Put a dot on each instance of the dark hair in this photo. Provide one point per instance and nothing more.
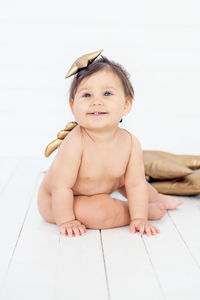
(100, 64)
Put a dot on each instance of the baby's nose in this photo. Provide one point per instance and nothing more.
(97, 101)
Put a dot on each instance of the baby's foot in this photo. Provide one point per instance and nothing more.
(156, 210)
(170, 202)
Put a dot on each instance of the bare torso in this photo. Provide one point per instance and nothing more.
(102, 169)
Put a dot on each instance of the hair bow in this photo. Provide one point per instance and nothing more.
(82, 62)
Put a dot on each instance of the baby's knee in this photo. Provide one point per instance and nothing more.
(92, 211)
(103, 212)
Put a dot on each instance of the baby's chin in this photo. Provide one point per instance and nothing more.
(98, 123)
(101, 129)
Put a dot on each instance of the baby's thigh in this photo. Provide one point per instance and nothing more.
(44, 203)
(88, 209)
(93, 211)
(94, 205)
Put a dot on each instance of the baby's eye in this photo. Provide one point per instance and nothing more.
(86, 95)
(107, 92)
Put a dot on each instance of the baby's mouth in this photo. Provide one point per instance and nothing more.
(97, 113)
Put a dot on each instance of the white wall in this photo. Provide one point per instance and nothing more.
(158, 42)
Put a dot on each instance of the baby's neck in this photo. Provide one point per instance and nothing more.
(101, 137)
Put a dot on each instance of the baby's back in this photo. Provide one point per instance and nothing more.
(93, 168)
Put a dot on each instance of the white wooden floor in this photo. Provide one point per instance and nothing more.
(36, 262)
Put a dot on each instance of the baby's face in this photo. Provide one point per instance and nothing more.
(100, 101)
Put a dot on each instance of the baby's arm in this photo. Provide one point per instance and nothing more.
(135, 183)
(136, 190)
(64, 171)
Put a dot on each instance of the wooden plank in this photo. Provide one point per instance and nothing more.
(174, 262)
(196, 200)
(172, 253)
(52, 266)
(187, 222)
(7, 167)
(32, 272)
(129, 271)
(14, 204)
(80, 272)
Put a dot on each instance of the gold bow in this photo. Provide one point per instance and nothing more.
(60, 137)
(83, 62)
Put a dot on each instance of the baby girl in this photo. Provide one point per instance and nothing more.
(97, 157)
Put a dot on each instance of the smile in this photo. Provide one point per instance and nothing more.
(97, 113)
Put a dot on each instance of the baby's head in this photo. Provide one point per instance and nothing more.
(104, 87)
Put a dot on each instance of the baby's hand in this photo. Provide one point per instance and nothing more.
(74, 226)
(142, 226)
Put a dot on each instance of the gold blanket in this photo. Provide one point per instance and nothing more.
(172, 173)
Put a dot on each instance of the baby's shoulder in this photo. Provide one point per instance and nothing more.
(71, 145)
(134, 140)
(73, 138)
(128, 134)
(69, 151)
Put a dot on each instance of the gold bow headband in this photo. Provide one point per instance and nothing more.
(80, 63)
(83, 62)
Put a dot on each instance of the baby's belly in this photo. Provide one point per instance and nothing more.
(89, 186)
(92, 187)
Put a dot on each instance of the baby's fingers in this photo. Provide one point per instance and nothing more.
(82, 229)
(148, 230)
(153, 230)
(156, 229)
(76, 231)
(63, 230)
(69, 231)
(132, 228)
(141, 229)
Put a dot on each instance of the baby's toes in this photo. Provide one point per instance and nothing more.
(179, 202)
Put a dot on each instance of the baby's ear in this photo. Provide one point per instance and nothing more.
(71, 102)
(128, 105)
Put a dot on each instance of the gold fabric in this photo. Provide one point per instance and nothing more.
(190, 161)
(188, 185)
(52, 146)
(82, 62)
(160, 168)
(60, 137)
(62, 134)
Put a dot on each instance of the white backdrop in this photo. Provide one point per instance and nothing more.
(158, 42)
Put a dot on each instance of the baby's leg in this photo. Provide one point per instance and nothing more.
(102, 211)
(96, 212)
(99, 211)
(154, 196)
(169, 201)
(158, 203)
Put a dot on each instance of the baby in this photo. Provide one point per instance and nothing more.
(97, 157)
